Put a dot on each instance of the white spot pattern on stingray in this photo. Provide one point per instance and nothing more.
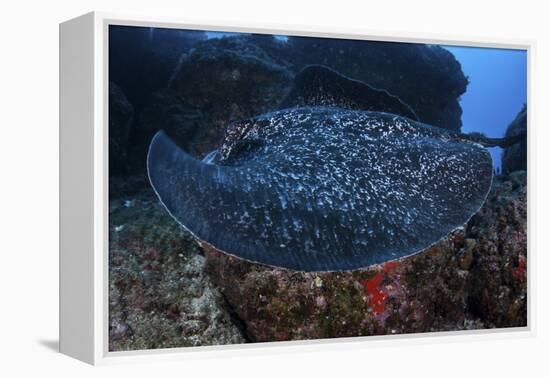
(324, 189)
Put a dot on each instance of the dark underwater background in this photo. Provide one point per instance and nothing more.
(167, 291)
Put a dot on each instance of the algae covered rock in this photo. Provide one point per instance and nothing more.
(514, 158)
(476, 278)
(498, 288)
(159, 295)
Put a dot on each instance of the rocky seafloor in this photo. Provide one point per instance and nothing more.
(168, 291)
(159, 293)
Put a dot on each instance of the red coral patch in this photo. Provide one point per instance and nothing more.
(377, 295)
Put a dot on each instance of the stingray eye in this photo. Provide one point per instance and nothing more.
(241, 140)
(243, 149)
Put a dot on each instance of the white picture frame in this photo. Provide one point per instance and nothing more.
(84, 187)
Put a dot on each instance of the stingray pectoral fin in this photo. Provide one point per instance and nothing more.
(318, 85)
(207, 199)
(182, 182)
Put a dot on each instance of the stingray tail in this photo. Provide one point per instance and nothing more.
(503, 142)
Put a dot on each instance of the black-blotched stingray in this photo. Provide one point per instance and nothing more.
(326, 183)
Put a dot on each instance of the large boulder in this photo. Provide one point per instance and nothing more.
(184, 123)
(219, 82)
(515, 157)
(475, 278)
(427, 77)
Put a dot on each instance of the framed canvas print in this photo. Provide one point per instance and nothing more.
(225, 186)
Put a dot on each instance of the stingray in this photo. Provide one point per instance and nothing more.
(341, 177)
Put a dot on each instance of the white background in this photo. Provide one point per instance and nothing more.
(29, 186)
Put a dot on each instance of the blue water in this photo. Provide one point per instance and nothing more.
(497, 90)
